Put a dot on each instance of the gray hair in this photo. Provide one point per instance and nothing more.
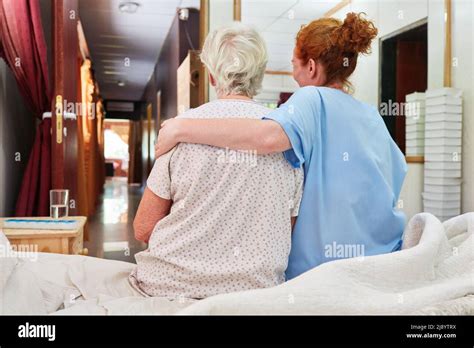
(236, 56)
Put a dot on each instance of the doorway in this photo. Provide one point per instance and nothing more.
(116, 144)
(404, 70)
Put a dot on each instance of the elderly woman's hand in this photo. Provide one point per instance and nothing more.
(167, 137)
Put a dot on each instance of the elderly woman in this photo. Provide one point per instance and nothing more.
(218, 221)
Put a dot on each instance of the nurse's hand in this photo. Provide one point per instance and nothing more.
(167, 137)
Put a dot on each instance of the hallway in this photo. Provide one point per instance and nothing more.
(111, 228)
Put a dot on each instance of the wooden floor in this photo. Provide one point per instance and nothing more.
(110, 229)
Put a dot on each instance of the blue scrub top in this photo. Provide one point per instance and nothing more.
(353, 176)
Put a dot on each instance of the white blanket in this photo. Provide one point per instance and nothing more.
(72, 284)
(433, 274)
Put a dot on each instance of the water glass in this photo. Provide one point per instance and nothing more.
(58, 203)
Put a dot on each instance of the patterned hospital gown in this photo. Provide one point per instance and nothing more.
(229, 228)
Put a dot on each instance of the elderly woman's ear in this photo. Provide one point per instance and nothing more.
(212, 80)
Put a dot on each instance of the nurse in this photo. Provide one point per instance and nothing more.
(353, 169)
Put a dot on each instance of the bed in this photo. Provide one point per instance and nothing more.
(432, 274)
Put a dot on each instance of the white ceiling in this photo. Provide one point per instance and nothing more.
(113, 36)
(279, 21)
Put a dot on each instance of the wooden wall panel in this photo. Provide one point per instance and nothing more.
(64, 60)
(164, 78)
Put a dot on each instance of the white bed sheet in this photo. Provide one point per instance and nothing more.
(433, 274)
(73, 284)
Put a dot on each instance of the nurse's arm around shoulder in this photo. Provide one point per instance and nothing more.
(237, 134)
(284, 128)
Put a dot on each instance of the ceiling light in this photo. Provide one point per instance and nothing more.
(129, 7)
(121, 83)
(183, 14)
(109, 72)
(110, 46)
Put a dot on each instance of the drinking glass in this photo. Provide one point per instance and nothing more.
(58, 203)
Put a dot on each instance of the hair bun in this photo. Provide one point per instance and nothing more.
(356, 33)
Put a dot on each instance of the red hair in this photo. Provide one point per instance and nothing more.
(336, 44)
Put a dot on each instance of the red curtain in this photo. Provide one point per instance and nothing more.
(23, 47)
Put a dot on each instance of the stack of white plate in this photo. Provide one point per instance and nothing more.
(415, 124)
(443, 128)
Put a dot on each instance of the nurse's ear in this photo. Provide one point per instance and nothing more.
(316, 72)
(311, 68)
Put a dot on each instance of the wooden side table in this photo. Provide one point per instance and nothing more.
(49, 241)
